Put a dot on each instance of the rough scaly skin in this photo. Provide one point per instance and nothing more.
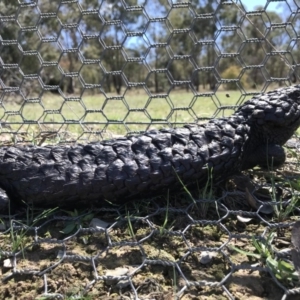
(144, 165)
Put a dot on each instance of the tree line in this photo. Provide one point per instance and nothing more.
(110, 44)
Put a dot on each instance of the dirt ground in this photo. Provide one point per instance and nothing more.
(154, 249)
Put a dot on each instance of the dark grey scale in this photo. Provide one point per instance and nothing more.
(279, 112)
(47, 169)
(41, 155)
(225, 154)
(203, 152)
(178, 148)
(227, 142)
(106, 155)
(200, 138)
(123, 150)
(259, 113)
(166, 166)
(269, 109)
(13, 153)
(154, 159)
(92, 149)
(130, 168)
(181, 135)
(186, 161)
(74, 155)
(270, 116)
(58, 154)
(236, 149)
(177, 165)
(115, 174)
(100, 172)
(191, 148)
(141, 144)
(144, 167)
(162, 141)
(214, 153)
(227, 130)
(197, 163)
(132, 183)
(213, 132)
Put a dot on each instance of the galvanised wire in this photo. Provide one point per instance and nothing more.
(95, 54)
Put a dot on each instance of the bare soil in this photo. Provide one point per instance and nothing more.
(151, 249)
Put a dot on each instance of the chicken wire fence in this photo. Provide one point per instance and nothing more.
(87, 70)
(83, 70)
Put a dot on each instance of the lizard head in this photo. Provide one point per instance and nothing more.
(273, 116)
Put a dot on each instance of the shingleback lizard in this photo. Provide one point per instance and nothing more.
(139, 166)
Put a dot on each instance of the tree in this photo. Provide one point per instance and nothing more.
(260, 37)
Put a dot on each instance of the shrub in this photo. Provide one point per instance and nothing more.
(233, 72)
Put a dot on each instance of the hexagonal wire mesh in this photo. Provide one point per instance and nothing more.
(78, 70)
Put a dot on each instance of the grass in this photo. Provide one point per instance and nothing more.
(137, 111)
(264, 253)
(19, 238)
